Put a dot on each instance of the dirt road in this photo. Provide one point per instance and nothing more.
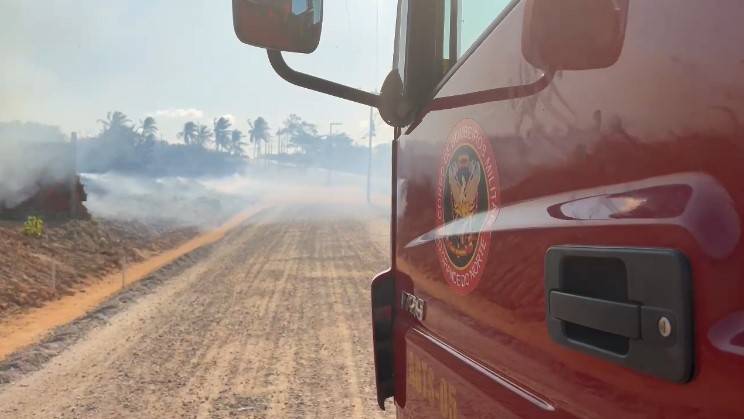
(273, 322)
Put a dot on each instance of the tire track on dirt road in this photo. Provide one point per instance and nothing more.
(273, 323)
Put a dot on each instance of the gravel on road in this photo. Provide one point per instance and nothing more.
(271, 322)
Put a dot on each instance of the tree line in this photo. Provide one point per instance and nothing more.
(125, 146)
(295, 141)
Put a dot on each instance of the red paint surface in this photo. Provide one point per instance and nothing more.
(646, 153)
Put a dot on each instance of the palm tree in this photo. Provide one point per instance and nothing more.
(148, 127)
(278, 135)
(189, 133)
(148, 130)
(115, 121)
(222, 127)
(301, 134)
(259, 132)
(236, 143)
(119, 132)
(203, 136)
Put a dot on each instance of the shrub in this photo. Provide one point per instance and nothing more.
(33, 227)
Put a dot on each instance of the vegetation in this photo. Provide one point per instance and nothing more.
(188, 135)
(33, 227)
(203, 136)
(124, 148)
(235, 146)
(305, 146)
(222, 134)
(219, 149)
(259, 133)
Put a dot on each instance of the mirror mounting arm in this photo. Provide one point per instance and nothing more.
(493, 95)
(321, 85)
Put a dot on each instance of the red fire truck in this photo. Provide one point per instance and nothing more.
(568, 182)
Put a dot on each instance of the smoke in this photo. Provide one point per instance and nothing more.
(178, 193)
(26, 168)
(166, 202)
(208, 202)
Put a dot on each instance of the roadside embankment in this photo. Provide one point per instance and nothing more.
(28, 324)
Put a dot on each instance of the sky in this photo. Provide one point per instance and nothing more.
(69, 62)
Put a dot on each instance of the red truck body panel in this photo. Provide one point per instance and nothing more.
(646, 153)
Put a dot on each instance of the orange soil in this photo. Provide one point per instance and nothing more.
(29, 327)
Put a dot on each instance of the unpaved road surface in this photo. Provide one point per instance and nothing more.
(273, 322)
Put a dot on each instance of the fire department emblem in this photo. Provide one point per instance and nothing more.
(467, 201)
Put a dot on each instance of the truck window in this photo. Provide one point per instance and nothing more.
(400, 39)
(464, 22)
(475, 16)
(432, 35)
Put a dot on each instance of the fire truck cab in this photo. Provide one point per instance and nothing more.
(568, 200)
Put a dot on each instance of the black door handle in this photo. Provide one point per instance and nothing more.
(631, 306)
(622, 319)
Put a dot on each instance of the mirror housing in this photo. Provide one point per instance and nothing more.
(573, 34)
(283, 25)
(393, 105)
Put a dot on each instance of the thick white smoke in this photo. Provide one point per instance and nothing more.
(25, 168)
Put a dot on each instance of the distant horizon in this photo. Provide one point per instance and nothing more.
(175, 140)
(68, 64)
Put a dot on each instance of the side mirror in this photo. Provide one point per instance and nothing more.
(283, 25)
(573, 34)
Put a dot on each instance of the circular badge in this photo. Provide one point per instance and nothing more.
(467, 201)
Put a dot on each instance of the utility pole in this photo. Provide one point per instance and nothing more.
(371, 134)
(330, 134)
(330, 128)
(74, 192)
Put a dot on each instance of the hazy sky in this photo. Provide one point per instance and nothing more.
(68, 62)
